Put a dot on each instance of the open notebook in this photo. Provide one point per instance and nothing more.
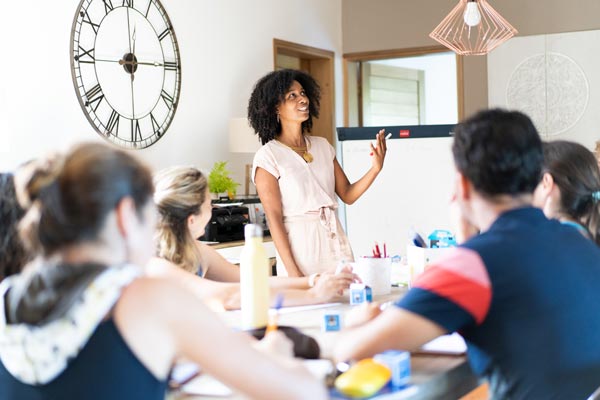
(452, 344)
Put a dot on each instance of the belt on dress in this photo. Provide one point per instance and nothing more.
(327, 219)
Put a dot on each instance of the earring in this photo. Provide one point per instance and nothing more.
(277, 117)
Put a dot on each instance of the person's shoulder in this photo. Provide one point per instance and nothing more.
(319, 141)
(266, 151)
(149, 294)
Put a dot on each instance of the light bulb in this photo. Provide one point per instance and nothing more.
(472, 16)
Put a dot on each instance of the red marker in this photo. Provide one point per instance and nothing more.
(389, 135)
(377, 252)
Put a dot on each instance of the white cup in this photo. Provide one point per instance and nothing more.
(375, 273)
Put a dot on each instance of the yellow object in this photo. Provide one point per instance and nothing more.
(254, 280)
(363, 379)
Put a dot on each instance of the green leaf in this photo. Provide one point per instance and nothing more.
(219, 180)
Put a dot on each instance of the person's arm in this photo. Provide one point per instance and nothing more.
(394, 328)
(161, 321)
(350, 192)
(270, 197)
(441, 300)
(327, 287)
(216, 266)
(217, 295)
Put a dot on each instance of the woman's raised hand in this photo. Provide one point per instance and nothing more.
(378, 151)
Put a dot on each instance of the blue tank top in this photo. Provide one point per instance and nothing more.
(104, 369)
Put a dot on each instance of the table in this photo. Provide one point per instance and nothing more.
(432, 376)
(231, 251)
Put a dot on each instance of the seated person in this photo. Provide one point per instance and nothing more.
(570, 187)
(84, 323)
(12, 253)
(184, 207)
(521, 292)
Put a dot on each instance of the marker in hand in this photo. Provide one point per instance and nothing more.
(389, 135)
(274, 314)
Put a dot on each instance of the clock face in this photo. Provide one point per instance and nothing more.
(126, 69)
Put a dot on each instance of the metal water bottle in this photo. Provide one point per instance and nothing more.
(254, 279)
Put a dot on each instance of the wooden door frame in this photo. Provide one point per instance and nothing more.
(399, 53)
(310, 53)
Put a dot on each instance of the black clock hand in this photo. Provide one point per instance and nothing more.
(133, 38)
(154, 64)
(124, 62)
(128, 30)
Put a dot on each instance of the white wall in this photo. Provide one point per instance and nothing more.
(225, 45)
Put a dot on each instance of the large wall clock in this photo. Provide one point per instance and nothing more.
(126, 69)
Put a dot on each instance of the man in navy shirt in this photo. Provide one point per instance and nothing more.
(523, 292)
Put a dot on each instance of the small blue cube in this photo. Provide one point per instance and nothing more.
(331, 322)
(360, 293)
(399, 363)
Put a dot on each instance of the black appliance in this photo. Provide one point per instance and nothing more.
(226, 224)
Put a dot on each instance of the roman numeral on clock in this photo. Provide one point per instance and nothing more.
(136, 132)
(108, 6)
(113, 123)
(88, 20)
(171, 66)
(155, 126)
(164, 33)
(86, 53)
(94, 95)
(168, 99)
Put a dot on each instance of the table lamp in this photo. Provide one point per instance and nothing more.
(242, 139)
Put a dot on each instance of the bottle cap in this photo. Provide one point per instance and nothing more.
(253, 230)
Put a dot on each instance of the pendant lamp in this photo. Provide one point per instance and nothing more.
(473, 27)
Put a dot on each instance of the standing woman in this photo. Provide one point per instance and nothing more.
(570, 187)
(184, 207)
(297, 176)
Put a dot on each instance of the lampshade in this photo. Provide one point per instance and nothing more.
(473, 27)
(242, 138)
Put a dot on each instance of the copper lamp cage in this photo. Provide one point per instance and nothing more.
(464, 39)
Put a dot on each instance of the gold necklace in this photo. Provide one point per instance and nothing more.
(304, 150)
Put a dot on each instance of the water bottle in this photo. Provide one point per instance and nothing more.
(254, 279)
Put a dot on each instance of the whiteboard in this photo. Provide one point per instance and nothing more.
(412, 191)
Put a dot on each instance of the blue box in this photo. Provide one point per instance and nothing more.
(399, 363)
(331, 322)
(359, 293)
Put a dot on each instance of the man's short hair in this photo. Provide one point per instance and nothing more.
(499, 151)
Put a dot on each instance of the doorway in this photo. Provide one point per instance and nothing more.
(319, 64)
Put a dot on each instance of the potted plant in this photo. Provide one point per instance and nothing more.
(219, 180)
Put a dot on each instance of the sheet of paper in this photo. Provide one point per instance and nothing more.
(206, 385)
(446, 344)
(288, 310)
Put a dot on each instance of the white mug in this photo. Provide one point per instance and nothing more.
(375, 273)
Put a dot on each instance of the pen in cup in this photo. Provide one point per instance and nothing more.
(274, 314)
(389, 135)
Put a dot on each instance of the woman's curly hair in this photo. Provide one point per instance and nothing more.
(269, 91)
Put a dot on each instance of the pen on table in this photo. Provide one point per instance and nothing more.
(272, 325)
(389, 135)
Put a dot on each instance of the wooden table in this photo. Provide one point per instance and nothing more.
(432, 376)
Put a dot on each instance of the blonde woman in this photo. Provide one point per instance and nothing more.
(184, 207)
(84, 323)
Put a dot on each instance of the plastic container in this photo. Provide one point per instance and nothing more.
(363, 379)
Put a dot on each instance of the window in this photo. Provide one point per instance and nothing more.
(403, 88)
